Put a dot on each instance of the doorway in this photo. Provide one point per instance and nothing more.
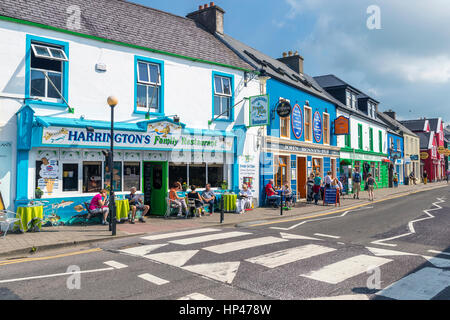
(155, 185)
(301, 177)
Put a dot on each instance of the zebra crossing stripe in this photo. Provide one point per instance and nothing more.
(210, 237)
(282, 257)
(179, 234)
(115, 264)
(345, 269)
(195, 296)
(153, 279)
(384, 252)
(244, 244)
(296, 236)
(221, 271)
(174, 258)
(142, 250)
(421, 285)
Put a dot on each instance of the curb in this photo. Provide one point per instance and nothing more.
(29, 250)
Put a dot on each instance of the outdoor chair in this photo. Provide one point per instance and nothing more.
(7, 218)
(83, 217)
(192, 209)
(172, 209)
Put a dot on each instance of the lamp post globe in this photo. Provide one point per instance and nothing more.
(112, 101)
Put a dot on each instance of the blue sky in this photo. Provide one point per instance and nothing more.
(405, 65)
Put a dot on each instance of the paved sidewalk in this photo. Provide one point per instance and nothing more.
(54, 237)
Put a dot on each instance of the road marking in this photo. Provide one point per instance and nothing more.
(142, 250)
(345, 269)
(195, 296)
(221, 271)
(56, 275)
(326, 235)
(153, 279)
(179, 234)
(211, 237)
(296, 236)
(438, 262)
(411, 225)
(115, 264)
(244, 244)
(6, 262)
(421, 285)
(344, 297)
(384, 252)
(174, 258)
(282, 257)
(440, 252)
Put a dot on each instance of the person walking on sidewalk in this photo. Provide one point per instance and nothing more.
(356, 179)
(425, 177)
(370, 181)
(316, 188)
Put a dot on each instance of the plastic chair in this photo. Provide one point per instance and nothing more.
(192, 208)
(7, 218)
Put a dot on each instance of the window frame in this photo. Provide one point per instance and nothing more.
(308, 124)
(64, 46)
(326, 128)
(286, 120)
(160, 86)
(360, 137)
(380, 142)
(230, 117)
(50, 54)
(371, 139)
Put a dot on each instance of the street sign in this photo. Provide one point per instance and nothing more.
(284, 109)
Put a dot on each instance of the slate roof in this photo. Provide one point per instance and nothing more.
(274, 68)
(414, 125)
(434, 124)
(394, 124)
(425, 139)
(130, 23)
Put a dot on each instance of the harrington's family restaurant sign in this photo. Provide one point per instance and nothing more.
(161, 136)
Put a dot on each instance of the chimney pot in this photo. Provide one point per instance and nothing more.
(211, 4)
(210, 17)
(296, 53)
(284, 54)
(200, 7)
(206, 5)
(293, 61)
(290, 53)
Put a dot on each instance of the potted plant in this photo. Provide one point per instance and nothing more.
(184, 186)
(38, 193)
(224, 185)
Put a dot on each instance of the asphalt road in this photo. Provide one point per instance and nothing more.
(395, 249)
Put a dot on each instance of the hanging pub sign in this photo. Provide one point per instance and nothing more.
(424, 155)
(284, 108)
(441, 150)
(297, 121)
(317, 127)
(259, 111)
(342, 126)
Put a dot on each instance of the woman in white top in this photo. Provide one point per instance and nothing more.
(244, 199)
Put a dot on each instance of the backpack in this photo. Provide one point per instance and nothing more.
(357, 178)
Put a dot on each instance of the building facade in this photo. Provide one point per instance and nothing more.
(363, 146)
(181, 114)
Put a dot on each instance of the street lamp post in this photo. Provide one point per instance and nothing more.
(112, 101)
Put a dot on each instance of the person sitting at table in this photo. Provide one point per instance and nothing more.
(209, 198)
(271, 194)
(136, 203)
(287, 192)
(97, 205)
(244, 199)
(176, 200)
(198, 199)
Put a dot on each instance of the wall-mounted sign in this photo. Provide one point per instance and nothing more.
(297, 121)
(317, 127)
(284, 109)
(424, 155)
(285, 147)
(441, 150)
(342, 126)
(414, 157)
(163, 135)
(259, 111)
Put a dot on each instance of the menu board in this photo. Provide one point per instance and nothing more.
(48, 176)
(297, 121)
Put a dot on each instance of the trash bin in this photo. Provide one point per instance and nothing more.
(406, 181)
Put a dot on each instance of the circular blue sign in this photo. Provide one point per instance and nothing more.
(297, 121)
(317, 127)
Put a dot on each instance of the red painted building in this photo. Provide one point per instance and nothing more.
(431, 134)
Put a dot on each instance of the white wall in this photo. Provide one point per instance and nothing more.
(187, 84)
(354, 121)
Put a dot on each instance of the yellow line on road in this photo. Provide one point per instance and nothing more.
(341, 210)
(6, 262)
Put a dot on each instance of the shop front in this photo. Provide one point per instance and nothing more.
(364, 162)
(67, 162)
(291, 163)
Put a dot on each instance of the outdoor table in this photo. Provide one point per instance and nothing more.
(122, 209)
(29, 216)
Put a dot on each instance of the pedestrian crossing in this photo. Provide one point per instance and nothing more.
(220, 255)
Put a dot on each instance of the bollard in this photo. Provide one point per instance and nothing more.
(221, 210)
(281, 205)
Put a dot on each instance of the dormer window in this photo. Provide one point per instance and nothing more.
(353, 101)
(371, 109)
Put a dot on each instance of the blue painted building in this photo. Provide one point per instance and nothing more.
(303, 141)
